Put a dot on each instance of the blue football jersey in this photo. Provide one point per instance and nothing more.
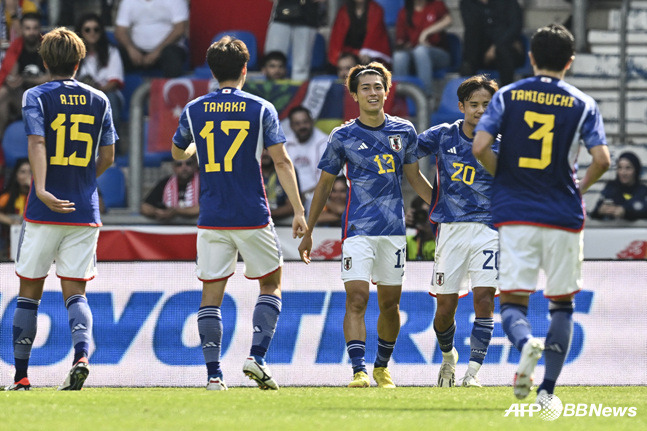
(230, 128)
(541, 121)
(75, 119)
(463, 187)
(372, 158)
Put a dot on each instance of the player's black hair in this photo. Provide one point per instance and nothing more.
(373, 68)
(30, 15)
(635, 162)
(274, 55)
(552, 47)
(300, 108)
(470, 85)
(227, 58)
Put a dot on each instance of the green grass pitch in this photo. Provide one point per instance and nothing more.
(290, 408)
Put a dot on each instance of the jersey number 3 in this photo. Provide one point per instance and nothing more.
(58, 125)
(207, 134)
(543, 134)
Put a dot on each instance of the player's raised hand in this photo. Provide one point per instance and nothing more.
(299, 226)
(55, 204)
(305, 247)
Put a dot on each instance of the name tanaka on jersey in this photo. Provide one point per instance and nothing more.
(224, 106)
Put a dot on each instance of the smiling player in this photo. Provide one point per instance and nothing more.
(374, 150)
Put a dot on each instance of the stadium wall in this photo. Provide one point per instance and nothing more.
(145, 330)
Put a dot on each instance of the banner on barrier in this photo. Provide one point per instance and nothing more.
(145, 328)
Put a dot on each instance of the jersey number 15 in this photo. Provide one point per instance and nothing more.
(58, 125)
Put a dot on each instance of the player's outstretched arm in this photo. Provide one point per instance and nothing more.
(599, 165)
(180, 154)
(38, 161)
(418, 181)
(106, 158)
(322, 191)
(288, 179)
(482, 150)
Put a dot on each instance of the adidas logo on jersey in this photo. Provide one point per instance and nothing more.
(452, 150)
(363, 146)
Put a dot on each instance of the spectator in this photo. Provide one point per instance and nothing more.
(624, 198)
(293, 29)
(492, 37)
(280, 207)
(359, 28)
(175, 196)
(346, 61)
(420, 36)
(21, 69)
(13, 200)
(274, 66)
(305, 144)
(422, 245)
(151, 35)
(335, 205)
(102, 67)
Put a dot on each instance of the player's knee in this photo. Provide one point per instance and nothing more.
(484, 305)
(389, 306)
(356, 303)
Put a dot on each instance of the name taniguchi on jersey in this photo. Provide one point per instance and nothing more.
(230, 128)
(535, 181)
(75, 119)
(372, 158)
(463, 187)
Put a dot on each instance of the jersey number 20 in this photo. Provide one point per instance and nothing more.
(207, 134)
(543, 134)
(58, 125)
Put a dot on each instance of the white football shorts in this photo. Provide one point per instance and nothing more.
(525, 249)
(218, 252)
(379, 259)
(467, 256)
(74, 249)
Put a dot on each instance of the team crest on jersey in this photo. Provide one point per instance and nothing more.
(348, 263)
(396, 142)
(440, 278)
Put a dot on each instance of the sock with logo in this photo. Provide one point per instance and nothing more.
(515, 324)
(446, 338)
(558, 342)
(480, 338)
(25, 322)
(210, 330)
(266, 315)
(80, 318)
(356, 351)
(384, 352)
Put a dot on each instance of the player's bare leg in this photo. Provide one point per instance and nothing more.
(445, 328)
(264, 320)
(357, 294)
(80, 318)
(481, 333)
(388, 328)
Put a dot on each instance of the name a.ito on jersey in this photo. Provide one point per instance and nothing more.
(224, 106)
(73, 99)
(542, 98)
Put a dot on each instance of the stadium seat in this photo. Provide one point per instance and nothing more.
(112, 185)
(391, 10)
(14, 143)
(249, 39)
(455, 53)
(448, 111)
(319, 58)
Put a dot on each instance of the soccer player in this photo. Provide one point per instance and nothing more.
(228, 130)
(71, 142)
(374, 150)
(536, 198)
(466, 242)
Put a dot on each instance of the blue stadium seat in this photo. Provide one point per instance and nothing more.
(112, 185)
(448, 111)
(391, 10)
(14, 143)
(249, 39)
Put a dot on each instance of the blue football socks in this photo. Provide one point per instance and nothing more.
(515, 324)
(210, 330)
(80, 318)
(264, 320)
(480, 338)
(446, 338)
(25, 320)
(384, 352)
(356, 350)
(558, 342)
